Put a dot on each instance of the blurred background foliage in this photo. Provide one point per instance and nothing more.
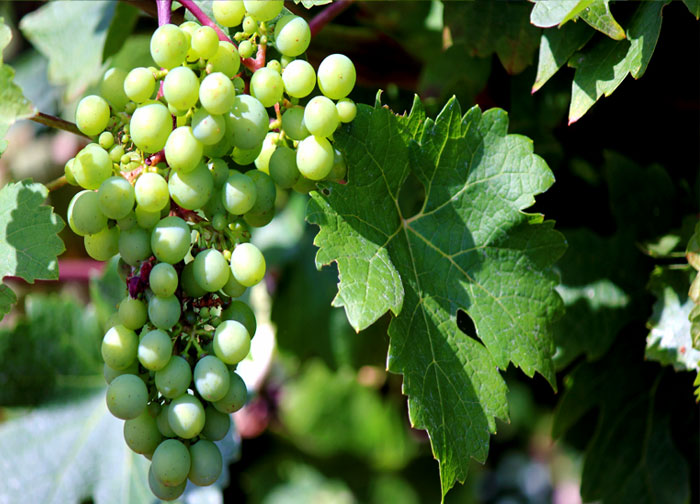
(328, 424)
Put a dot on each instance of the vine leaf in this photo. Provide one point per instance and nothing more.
(600, 70)
(557, 47)
(312, 3)
(470, 248)
(13, 104)
(598, 16)
(693, 7)
(546, 13)
(7, 299)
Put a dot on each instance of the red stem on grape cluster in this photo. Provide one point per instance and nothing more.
(164, 11)
(327, 15)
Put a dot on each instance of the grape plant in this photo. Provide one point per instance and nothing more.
(321, 259)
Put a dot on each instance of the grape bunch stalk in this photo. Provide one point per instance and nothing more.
(189, 156)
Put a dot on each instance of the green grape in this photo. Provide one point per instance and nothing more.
(151, 192)
(304, 185)
(163, 280)
(116, 153)
(228, 13)
(219, 172)
(339, 167)
(119, 347)
(128, 222)
(259, 219)
(247, 264)
(112, 88)
(139, 84)
(248, 122)
(285, 60)
(222, 147)
(116, 197)
(134, 245)
(299, 78)
(170, 240)
(211, 378)
(219, 222)
(268, 147)
(205, 41)
(207, 463)
(84, 214)
(106, 140)
(238, 194)
(226, 60)
(164, 312)
(232, 288)
(68, 169)
(263, 11)
(336, 76)
(150, 127)
(162, 422)
(216, 93)
(181, 88)
(241, 312)
(321, 116)
(207, 128)
(189, 285)
(293, 124)
(127, 396)
(246, 48)
(211, 271)
(183, 151)
(215, 205)
(155, 349)
(231, 342)
(265, 190)
(111, 373)
(315, 157)
(193, 189)
(216, 423)
(162, 492)
(347, 110)
(171, 463)
(188, 28)
(92, 166)
(132, 313)
(266, 85)
(175, 378)
(92, 115)
(244, 157)
(292, 35)
(235, 397)
(274, 65)
(146, 219)
(239, 84)
(169, 46)
(186, 416)
(283, 167)
(141, 433)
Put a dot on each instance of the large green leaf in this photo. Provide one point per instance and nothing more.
(29, 242)
(546, 13)
(470, 248)
(120, 29)
(13, 104)
(602, 68)
(557, 47)
(7, 299)
(693, 7)
(669, 341)
(72, 36)
(488, 27)
(598, 16)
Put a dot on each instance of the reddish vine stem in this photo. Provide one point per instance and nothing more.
(56, 183)
(164, 8)
(327, 15)
(58, 123)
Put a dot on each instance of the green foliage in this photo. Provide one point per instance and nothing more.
(13, 104)
(312, 3)
(693, 7)
(446, 257)
(598, 15)
(120, 29)
(557, 47)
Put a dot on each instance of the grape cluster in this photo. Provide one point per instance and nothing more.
(185, 163)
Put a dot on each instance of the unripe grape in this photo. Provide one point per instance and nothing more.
(119, 347)
(163, 280)
(84, 214)
(292, 35)
(265, 190)
(227, 59)
(266, 85)
(211, 271)
(189, 285)
(145, 218)
(150, 127)
(103, 245)
(228, 13)
(304, 185)
(232, 288)
(163, 492)
(293, 124)
(347, 110)
(68, 170)
(139, 84)
(231, 342)
(151, 192)
(116, 197)
(181, 88)
(208, 128)
(141, 433)
(219, 171)
(175, 378)
(106, 140)
(168, 46)
(235, 397)
(274, 65)
(299, 78)
(336, 76)
(92, 166)
(110, 373)
(283, 167)
(244, 157)
(127, 396)
(164, 312)
(321, 116)
(92, 115)
(339, 167)
(216, 93)
(132, 313)
(155, 350)
(241, 312)
(186, 416)
(238, 193)
(247, 264)
(248, 122)
(268, 147)
(170, 240)
(216, 423)
(246, 48)
(193, 189)
(314, 157)
(205, 41)
(171, 463)
(188, 28)
(207, 463)
(211, 378)
(134, 245)
(112, 88)
(116, 153)
(162, 422)
(263, 11)
(183, 151)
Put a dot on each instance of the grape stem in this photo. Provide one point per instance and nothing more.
(327, 15)
(56, 183)
(164, 11)
(57, 122)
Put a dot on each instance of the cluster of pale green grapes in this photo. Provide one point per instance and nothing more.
(184, 164)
